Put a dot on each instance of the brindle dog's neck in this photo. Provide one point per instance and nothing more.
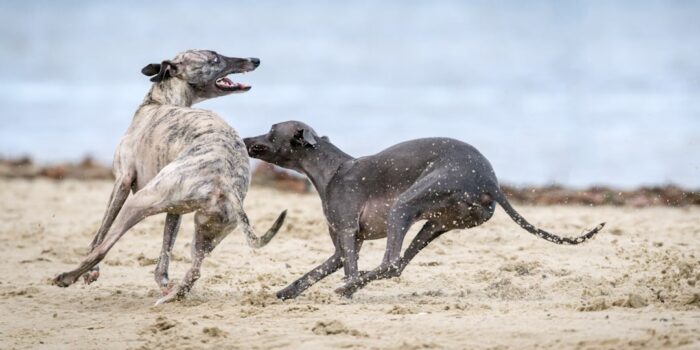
(171, 92)
(322, 163)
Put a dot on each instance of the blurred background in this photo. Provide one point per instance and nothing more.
(577, 93)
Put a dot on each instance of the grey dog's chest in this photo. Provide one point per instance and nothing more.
(373, 217)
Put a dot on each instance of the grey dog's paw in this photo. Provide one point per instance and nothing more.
(348, 278)
(346, 291)
(285, 294)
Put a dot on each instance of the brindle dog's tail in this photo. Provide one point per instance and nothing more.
(252, 238)
(501, 199)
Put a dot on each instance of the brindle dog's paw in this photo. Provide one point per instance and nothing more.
(173, 295)
(91, 276)
(63, 280)
(166, 288)
(177, 292)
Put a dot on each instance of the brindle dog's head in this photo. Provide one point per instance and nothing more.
(286, 144)
(204, 71)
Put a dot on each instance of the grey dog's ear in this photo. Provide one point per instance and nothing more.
(161, 71)
(304, 137)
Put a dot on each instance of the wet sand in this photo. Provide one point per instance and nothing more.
(636, 286)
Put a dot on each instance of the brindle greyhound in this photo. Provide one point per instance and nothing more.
(444, 181)
(177, 160)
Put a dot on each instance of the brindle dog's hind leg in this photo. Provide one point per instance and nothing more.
(210, 229)
(172, 225)
(142, 204)
(120, 192)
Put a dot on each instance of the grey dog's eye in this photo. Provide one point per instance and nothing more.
(214, 60)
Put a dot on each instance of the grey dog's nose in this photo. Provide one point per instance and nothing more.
(255, 61)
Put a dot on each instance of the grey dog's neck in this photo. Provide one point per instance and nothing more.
(322, 163)
(171, 92)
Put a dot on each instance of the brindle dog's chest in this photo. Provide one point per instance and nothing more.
(167, 132)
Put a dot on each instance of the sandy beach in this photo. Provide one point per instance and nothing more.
(636, 286)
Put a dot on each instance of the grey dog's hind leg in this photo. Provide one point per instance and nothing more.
(172, 225)
(418, 198)
(427, 234)
(320, 272)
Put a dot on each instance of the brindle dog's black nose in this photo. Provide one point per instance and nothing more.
(255, 61)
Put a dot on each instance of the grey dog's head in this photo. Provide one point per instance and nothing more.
(204, 71)
(286, 144)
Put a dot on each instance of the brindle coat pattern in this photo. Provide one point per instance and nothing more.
(444, 181)
(176, 159)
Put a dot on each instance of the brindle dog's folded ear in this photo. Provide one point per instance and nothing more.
(304, 137)
(161, 71)
(151, 69)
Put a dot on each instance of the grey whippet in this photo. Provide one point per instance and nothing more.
(444, 181)
(176, 160)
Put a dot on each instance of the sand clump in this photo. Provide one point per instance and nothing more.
(214, 332)
(259, 298)
(144, 261)
(522, 268)
(335, 327)
(633, 300)
(162, 324)
(505, 289)
(400, 310)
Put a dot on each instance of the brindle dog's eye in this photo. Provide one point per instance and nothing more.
(214, 60)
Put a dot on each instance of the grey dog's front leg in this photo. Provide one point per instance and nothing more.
(320, 272)
(349, 246)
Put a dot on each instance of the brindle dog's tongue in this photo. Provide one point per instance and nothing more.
(225, 82)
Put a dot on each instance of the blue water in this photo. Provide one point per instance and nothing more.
(573, 92)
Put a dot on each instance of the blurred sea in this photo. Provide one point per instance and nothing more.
(572, 92)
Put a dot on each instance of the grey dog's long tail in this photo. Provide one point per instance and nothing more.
(252, 238)
(501, 199)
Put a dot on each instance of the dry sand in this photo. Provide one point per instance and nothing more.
(637, 285)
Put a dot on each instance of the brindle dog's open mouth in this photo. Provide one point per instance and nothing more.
(226, 84)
